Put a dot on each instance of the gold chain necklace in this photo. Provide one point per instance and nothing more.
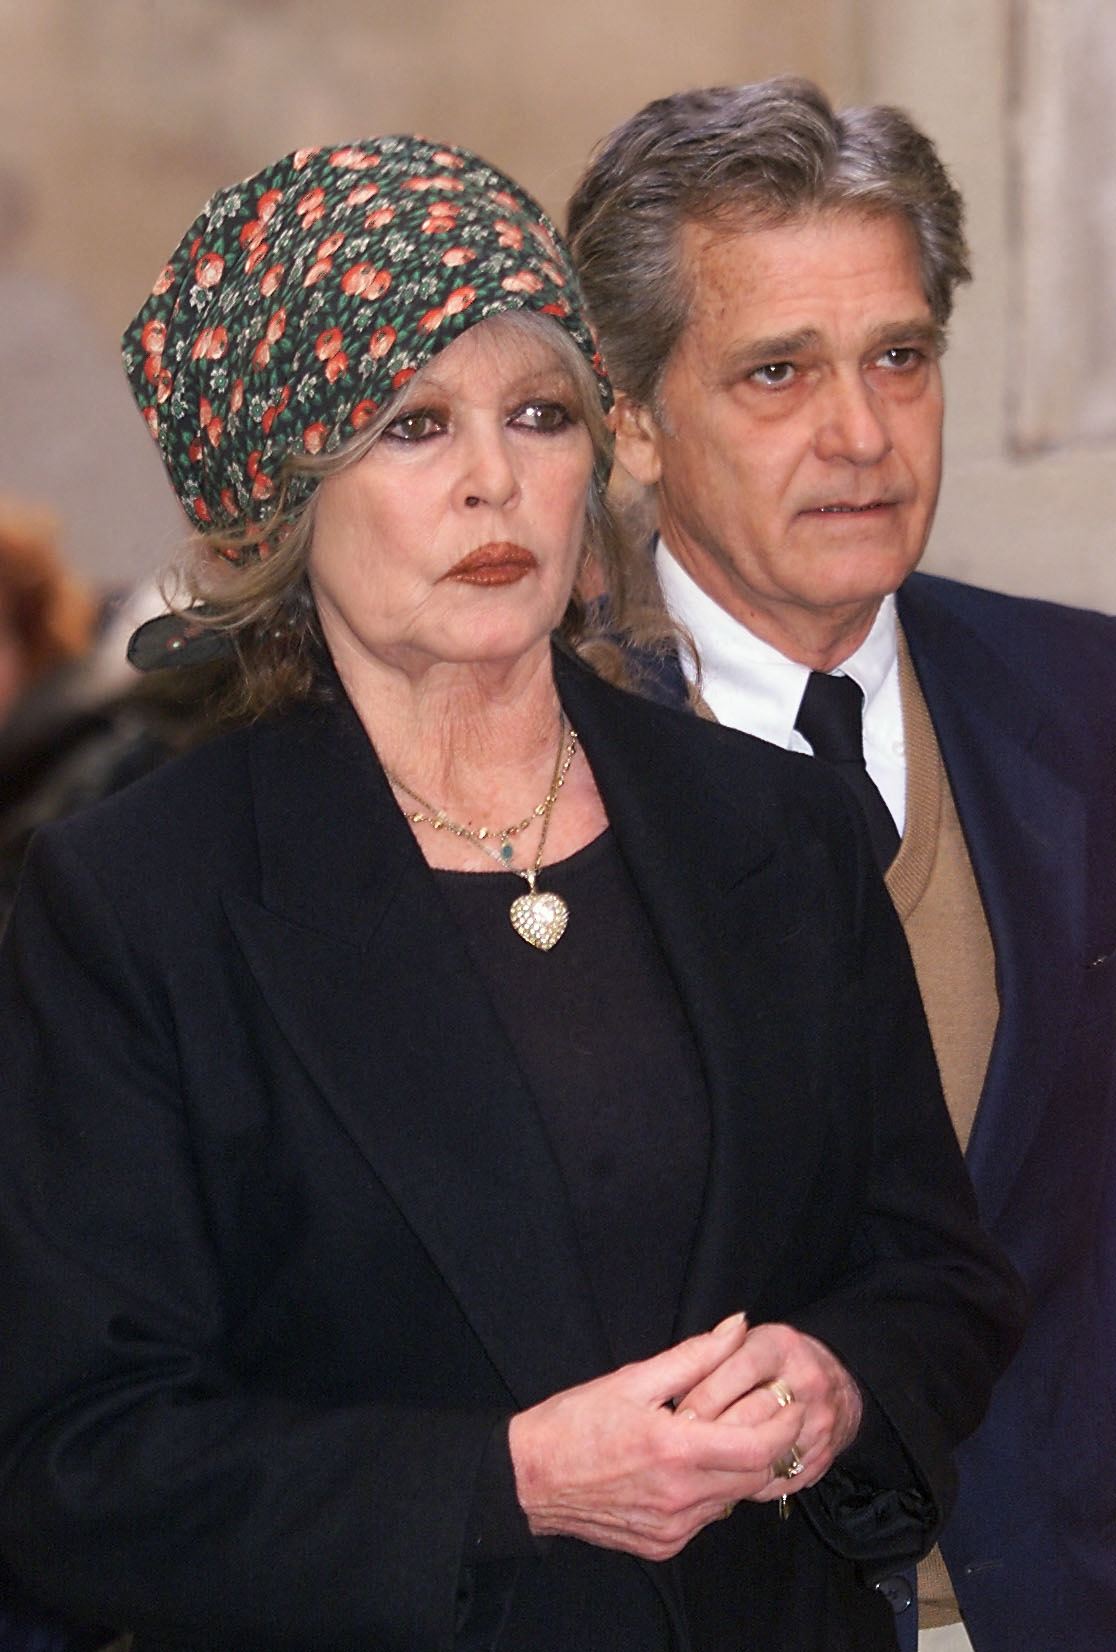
(539, 917)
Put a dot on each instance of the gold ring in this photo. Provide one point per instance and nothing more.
(788, 1466)
(727, 1510)
(783, 1395)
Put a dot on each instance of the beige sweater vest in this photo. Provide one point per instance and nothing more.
(932, 885)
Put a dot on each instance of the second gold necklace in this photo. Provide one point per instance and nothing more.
(539, 917)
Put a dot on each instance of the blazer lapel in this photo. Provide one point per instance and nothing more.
(706, 864)
(1024, 820)
(350, 931)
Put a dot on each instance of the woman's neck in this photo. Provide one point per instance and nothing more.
(474, 738)
(480, 742)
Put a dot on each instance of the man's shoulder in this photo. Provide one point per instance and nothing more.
(928, 598)
(1049, 649)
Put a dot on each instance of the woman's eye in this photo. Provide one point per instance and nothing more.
(414, 427)
(773, 374)
(545, 417)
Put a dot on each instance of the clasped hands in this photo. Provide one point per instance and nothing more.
(644, 1457)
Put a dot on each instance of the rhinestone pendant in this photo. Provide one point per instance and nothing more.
(540, 919)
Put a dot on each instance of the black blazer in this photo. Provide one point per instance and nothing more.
(282, 1240)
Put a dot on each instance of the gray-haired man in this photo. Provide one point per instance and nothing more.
(772, 283)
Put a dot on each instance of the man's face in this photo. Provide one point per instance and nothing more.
(796, 442)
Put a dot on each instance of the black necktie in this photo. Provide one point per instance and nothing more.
(830, 718)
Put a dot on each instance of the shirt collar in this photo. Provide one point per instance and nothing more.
(745, 681)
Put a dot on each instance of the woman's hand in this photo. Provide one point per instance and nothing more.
(751, 1387)
(612, 1464)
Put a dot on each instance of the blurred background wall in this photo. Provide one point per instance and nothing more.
(119, 117)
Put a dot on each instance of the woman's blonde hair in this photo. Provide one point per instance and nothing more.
(263, 603)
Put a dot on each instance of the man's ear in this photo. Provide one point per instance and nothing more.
(637, 440)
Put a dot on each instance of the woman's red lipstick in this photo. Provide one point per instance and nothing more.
(498, 564)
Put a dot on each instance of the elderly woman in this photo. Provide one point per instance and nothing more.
(409, 1092)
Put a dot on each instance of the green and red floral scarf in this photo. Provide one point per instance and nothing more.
(304, 297)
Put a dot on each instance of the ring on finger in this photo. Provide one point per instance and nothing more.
(788, 1466)
(727, 1510)
(782, 1394)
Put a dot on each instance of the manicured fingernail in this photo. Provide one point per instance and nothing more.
(732, 1323)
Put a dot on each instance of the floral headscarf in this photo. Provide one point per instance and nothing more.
(304, 297)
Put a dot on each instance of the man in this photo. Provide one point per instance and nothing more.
(772, 283)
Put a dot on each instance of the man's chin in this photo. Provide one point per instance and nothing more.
(835, 576)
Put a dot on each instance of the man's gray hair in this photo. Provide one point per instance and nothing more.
(743, 157)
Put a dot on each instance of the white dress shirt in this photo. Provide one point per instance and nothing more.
(751, 686)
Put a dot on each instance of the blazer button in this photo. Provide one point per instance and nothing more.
(896, 1591)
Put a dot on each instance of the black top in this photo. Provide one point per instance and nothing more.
(604, 1045)
(603, 1042)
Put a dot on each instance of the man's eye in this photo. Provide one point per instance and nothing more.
(901, 358)
(773, 374)
(414, 427)
(545, 417)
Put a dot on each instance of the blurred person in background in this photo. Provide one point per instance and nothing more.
(76, 720)
(46, 616)
(47, 623)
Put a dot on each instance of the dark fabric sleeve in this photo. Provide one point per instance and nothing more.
(27, 1626)
(876, 1456)
(874, 1505)
(929, 1311)
(498, 1528)
(247, 1518)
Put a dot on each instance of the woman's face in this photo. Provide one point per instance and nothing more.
(456, 538)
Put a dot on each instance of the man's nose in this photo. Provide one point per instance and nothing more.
(852, 425)
(488, 475)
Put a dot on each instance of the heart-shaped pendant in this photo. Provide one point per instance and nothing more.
(540, 919)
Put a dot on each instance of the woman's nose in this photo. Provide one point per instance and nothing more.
(488, 474)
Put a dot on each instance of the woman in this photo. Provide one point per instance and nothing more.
(435, 1068)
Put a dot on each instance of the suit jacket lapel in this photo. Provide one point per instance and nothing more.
(339, 940)
(1024, 820)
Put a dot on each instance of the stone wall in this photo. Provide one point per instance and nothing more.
(1014, 515)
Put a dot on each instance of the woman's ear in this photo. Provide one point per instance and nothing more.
(637, 439)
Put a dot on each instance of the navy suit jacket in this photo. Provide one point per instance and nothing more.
(1022, 695)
